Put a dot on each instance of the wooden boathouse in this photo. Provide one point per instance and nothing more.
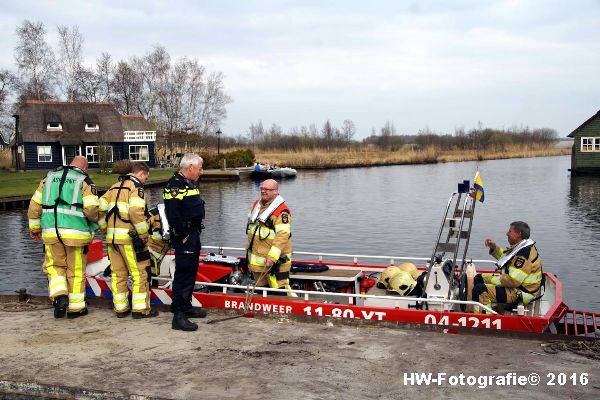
(585, 157)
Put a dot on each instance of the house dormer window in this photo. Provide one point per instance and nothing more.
(54, 127)
(92, 127)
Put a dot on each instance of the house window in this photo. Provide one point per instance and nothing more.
(54, 126)
(44, 153)
(139, 153)
(92, 127)
(95, 154)
(590, 144)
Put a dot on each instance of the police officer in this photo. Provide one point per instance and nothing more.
(521, 279)
(64, 212)
(123, 218)
(184, 209)
(269, 244)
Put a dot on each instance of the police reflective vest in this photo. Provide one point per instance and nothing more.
(269, 233)
(63, 202)
(184, 207)
(122, 210)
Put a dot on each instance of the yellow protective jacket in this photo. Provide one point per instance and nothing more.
(522, 271)
(156, 242)
(122, 209)
(68, 236)
(269, 238)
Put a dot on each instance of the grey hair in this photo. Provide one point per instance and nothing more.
(522, 227)
(190, 159)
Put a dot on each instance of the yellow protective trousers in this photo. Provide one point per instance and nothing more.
(124, 264)
(65, 267)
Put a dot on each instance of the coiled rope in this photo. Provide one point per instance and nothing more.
(18, 306)
(585, 348)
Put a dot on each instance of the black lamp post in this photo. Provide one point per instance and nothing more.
(218, 133)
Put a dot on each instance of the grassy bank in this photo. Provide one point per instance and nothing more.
(373, 157)
(25, 183)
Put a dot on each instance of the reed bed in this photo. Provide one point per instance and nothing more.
(367, 156)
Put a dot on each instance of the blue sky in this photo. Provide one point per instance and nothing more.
(434, 64)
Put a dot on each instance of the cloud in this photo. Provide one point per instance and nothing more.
(436, 63)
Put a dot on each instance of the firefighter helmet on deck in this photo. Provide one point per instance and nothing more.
(411, 269)
(386, 275)
(402, 283)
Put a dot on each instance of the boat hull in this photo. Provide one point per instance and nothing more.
(222, 297)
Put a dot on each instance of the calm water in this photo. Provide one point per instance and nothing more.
(393, 210)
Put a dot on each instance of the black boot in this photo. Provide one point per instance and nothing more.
(77, 314)
(60, 306)
(195, 312)
(138, 315)
(180, 322)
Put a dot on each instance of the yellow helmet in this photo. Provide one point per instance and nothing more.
(402, 283)
(411, 269)
(387, 274)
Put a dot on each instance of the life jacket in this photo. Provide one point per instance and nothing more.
(62, 205)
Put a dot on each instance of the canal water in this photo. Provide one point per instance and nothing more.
(395, 211)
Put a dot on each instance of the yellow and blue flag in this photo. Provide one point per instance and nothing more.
(478, 186)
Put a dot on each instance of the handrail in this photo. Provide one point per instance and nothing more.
(355, 256)
(349, 296)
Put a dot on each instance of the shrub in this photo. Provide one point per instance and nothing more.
(236, 158)
(5, 159)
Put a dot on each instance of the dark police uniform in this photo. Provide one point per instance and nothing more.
(184, 209)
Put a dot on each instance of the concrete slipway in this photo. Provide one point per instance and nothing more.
(101, 357)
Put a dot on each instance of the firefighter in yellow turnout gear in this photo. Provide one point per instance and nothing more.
(522, 275)
(64, 212)
(157, 244)
(123, 218)
(269, 245)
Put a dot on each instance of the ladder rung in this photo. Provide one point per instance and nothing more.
(454, 234)
(446, 247)
(468, 214)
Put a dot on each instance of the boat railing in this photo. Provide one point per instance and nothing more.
(351, 297)
(353, 257)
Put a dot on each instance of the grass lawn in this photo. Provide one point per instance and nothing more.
(25, 183)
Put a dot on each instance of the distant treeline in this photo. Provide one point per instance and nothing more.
(330, 137)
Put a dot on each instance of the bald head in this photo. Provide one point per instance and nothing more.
(80, 162)
(269, 189)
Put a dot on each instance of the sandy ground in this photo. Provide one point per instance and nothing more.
(256, 358)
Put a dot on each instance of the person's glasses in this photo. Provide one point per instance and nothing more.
(266, 190)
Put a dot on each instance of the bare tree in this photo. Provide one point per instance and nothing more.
(327, 132)
(126, 85)
(105, 75)
(7, 82)
(89, 85)
(35, 62)
(348, 129)
(256, 132)
(70, 42)
(214, 102)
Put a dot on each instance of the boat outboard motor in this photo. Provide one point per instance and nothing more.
(438, 283)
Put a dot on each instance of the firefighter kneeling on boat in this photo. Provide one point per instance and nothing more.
(522, 276)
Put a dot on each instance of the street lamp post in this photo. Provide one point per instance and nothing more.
(218, 133)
